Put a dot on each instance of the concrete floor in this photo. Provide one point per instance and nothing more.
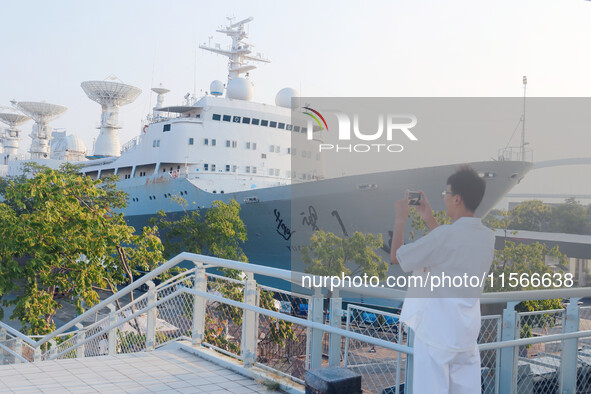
(162, 371)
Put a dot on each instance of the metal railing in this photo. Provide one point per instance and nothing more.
(284, 331)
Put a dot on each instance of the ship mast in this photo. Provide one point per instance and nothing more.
(240, 51)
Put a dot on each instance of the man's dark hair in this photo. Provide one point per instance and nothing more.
(469, 185)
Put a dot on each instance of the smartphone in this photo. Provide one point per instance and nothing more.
(414, 198)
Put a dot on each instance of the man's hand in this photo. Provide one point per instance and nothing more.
(402, 209)
(424, 209)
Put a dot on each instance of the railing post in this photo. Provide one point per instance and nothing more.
(506, 370)
(112, 332)
(568, 369)
(36, 354)
(334, 342)
(2, 341)
(249, 323)
(18, 349)
(200, 284)
(79, 338)
(316, 314)
(151, 317)
(52, 349)
(410, 342)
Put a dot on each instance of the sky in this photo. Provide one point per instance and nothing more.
(343, 48)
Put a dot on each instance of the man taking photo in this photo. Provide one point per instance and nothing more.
(446, 322)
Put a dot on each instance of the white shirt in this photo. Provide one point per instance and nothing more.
(447, 318)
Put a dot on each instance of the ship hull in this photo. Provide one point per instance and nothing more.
(280, 220)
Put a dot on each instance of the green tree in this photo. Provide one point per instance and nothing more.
(61, 236)
(328, 255)
(569, 217)
(220, 232)
(532, 215)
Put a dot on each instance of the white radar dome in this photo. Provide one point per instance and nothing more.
(239, 89)
(75, 144)
(216, 88)
(283, 98)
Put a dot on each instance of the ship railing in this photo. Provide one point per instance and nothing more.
(131, 144)
(516, 153)
(288, 332)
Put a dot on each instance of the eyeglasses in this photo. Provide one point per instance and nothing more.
(445, 193)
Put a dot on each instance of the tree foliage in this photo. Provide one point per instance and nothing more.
(61, 235)
(329, 254)
(219, 232)
(569, 217)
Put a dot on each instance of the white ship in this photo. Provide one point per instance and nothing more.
(224, 146)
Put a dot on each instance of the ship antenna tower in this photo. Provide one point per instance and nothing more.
(9, 139)
(41, 113)
(240, 52)
(110, 95)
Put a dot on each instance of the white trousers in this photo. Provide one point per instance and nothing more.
(437, 371)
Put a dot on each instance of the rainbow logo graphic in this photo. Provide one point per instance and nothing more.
(312, 115)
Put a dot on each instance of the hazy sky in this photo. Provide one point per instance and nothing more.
(321, 48)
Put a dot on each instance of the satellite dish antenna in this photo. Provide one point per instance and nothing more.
(41, 113)
(161, 92)
(9, 139)
(110, 95)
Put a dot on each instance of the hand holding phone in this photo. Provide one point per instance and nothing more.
(414, 198)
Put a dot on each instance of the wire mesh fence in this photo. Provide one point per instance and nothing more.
(381, 369)
(490, 331)
(223, 323)
(283, 346)
(538, 365)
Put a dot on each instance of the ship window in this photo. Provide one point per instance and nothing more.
(205, 167)
(236, 119)
(213, 142)
(213, 167)
(304, 130)
(216, 117)
(263, 155)
(178, 167)
(271, 148)
(281, 126)
(248, 145)
(246, 120)
(296, 129)
(273, 124)
(288, 151)
(248, 169)
(206, 141)
(264, 122)
(227, 168)
(254, 145)
(234, 144)
(191, 141)
(254, 170)
(166, 127)
(227, 143)
(227, 118)
(288, 127)
(255, 122)
(234, 168)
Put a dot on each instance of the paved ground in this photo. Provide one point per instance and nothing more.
(164, 371)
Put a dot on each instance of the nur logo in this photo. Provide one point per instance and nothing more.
(388, 123)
